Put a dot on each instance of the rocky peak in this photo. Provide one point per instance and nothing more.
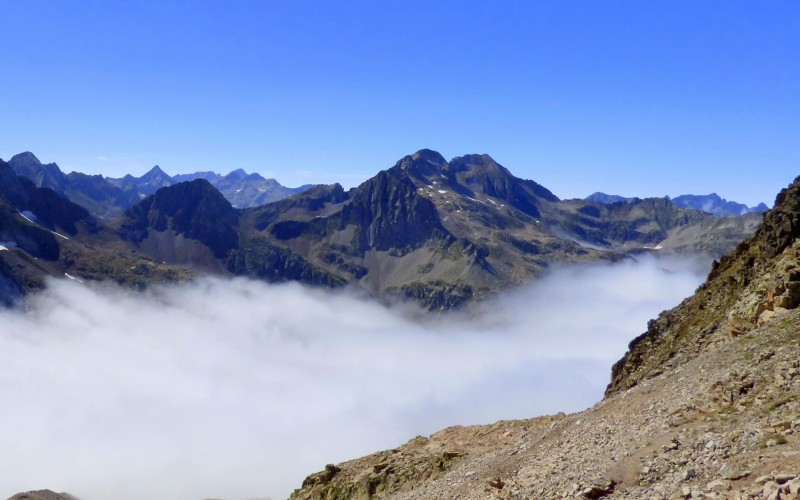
(50, 176)
(25, 158)
(237, 175)
(195, 209)
(155, 174)
(422, 166)
(430, 156)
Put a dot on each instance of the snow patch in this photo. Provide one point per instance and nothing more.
(442, 191)
(59, 235)
(73, 278)
(29, 216)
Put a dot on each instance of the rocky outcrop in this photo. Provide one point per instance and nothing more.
(390, 215)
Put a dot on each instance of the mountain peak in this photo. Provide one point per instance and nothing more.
(25, 157)
(237, 174)
(429, 155)
(154, 172)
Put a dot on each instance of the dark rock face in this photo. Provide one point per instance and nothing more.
(10, 291)
(391, 215)
(194, 209)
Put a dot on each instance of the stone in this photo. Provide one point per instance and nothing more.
(761, 480)
(732, 473)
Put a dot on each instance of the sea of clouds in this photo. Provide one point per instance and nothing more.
(237, 389)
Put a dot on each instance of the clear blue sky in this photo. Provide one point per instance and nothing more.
(635, 98)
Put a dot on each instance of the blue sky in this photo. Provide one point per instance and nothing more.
(635, 98)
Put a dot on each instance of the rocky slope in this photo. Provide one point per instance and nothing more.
(706, 404)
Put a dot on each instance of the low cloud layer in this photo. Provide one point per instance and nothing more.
(237, 389)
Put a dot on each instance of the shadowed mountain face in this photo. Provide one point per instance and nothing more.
(192, 209)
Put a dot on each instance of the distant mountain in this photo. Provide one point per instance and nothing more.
(148, 183)
(243, 190)
(108, 198)
(99, 196)
(608, 198)
(713, 204)
(710, 203)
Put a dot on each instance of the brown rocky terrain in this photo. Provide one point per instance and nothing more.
(706, 404)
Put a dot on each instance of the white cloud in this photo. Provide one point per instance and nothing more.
(103, 158)
(237, 389)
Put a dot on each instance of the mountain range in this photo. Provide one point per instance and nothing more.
(705, 404)
(106, 197)
(711, 203)
(440, 233)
